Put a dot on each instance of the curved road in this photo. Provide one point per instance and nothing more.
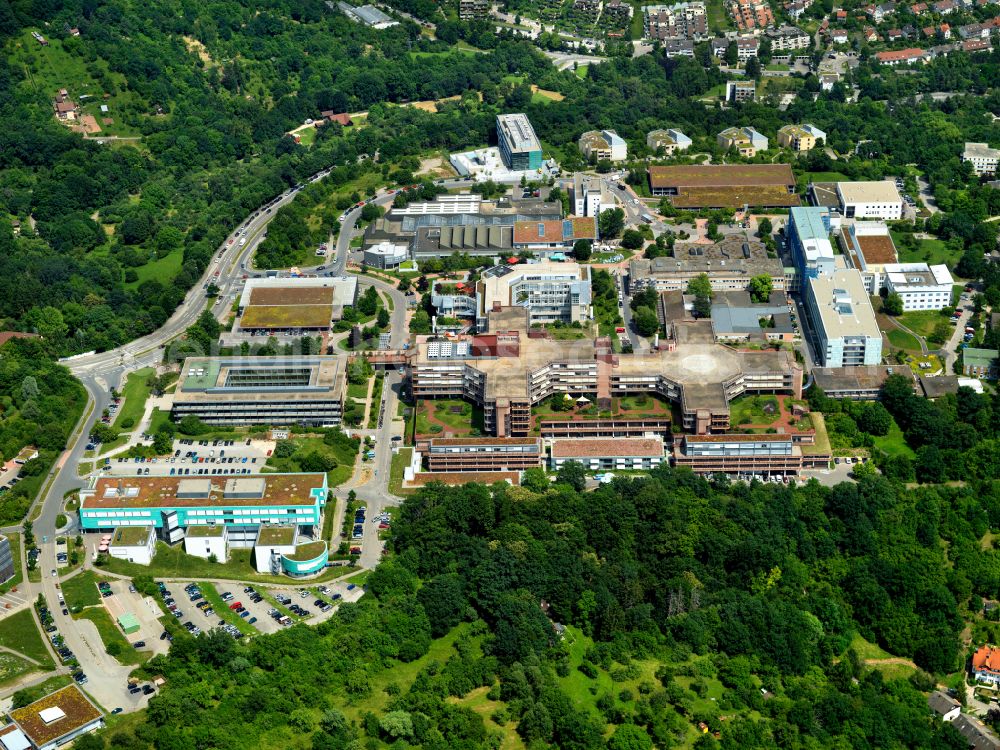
(99, 372)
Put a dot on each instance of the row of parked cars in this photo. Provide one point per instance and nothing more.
(67, 657)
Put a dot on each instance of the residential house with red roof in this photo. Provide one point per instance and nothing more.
(986, 665)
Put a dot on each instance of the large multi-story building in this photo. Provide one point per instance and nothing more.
(172, 504)
(293, 306)
(808, 234)
(921, 287)
(6, 560)
(482, 453)
(843, 321)
(741, 91)
(554, 238)
(787, 39)
(725, 185)
(471, 10)
(868, 247)
(746, 141)
(508, 370)
(458, 224)
(603, 145)
(591, 196)
(984, 160)
(877, 199)
(548, 291)
(730, 264)
(306, 390)
(52, 721)
(597, 454)
(520, 148)
(681, 21)
(750, 14)
(669, 141)
(739, 454)
(800, 138)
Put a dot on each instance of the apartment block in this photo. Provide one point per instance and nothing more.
(603, 145)
(668, 141)
(800, 138)
(680, 21)
(843, 321)
(472, 10)
(740, 91)
(590, 196)
(746, 141)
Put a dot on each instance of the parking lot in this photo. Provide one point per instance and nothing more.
(197, 458)
(259, 610)
(146, 611)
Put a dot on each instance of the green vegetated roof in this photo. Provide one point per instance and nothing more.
(208, 530)
(307, 552)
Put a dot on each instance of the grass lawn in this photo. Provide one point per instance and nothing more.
(828, 177)
(400, 460)
(777, 67)
(458, 417)
(111, 633)
(13, 667)
(39, 691)
(718, 19)
(223, 612)
(357, 391)
(157, 419)
(581, 71)
(893, 443)
(81, 591)
(921, 322)
(20, 633)
(903, 340)
(932, 252)
(305, 446)
(173, 562)
(755, 410)
(162, 269)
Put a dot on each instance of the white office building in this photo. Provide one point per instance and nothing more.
(984, 159)
(921, 287)
(877, 199)
(548, 290)
(590, 196)
(385, 255)
(843, 321)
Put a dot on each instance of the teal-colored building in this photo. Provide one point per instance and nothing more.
(172, 504)
(308, 559)
(520, 148)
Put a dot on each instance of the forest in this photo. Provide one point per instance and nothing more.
(120, 231)
(40, 402)
(665, 590)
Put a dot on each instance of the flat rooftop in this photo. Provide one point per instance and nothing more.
(602, 448)
(518, 132)
(844, 306)
(287, 316)
(308, 551)
(276, 536)
(695, 361)
(870, 378)
(733, 255)
(980, 151)
(872, 191)
(475, 441)
(131, 536)
(205, 531)
(877, 249)
(55, 715)
(213, 379)
(162, 492)
(295, 302)
(722, 176)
